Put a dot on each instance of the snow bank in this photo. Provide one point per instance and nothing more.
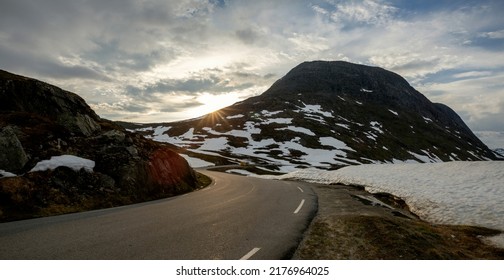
(461, 193)
(73, 162)
(5, 174)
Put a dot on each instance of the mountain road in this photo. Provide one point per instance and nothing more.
(236, 217)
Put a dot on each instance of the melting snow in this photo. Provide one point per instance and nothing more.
(462, 193)
(427, 119)
(278, 120)
(158, 131)
(267, 113)
(393, 112)
(314, 109)
(235, 116)
(376, 126)
(422, 158)
(214, 144)
(73, 162)
(5, 174)
(333, 142)
(343, 125)
(371, 136)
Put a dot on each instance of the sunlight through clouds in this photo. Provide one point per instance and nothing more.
(154, 60)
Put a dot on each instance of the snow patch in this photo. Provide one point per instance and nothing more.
(427, 120)
(376, 126)
(365, 90)
(343, 125)
(235, 116)
(278, 120)
(267, 113)
(333, 142)
(393, 112)
(314, 109)
(5, 174)
(73, 162)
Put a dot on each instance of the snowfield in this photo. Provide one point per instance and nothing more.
(459, 193)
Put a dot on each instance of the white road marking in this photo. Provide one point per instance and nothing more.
(299, 207)
(299, 188)
(250, 254)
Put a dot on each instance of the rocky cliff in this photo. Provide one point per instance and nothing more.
(39, 121)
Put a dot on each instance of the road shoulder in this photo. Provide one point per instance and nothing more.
(353, 224)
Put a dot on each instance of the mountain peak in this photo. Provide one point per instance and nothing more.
(340, 78)
(327, 114)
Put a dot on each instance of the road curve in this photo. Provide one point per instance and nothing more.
(236, 217)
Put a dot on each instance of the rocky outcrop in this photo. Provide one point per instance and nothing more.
(21, 94)
(12, 155)
(39, 121)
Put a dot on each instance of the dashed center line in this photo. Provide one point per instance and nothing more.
(299, 207)
(250, 254)
(300, 189)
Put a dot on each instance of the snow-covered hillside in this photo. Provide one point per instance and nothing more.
(270, 138)
(463, 193)
(327, 115)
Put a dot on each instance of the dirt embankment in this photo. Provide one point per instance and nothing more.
(353, 224)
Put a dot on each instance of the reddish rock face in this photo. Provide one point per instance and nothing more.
(45, 121)
(168, 168)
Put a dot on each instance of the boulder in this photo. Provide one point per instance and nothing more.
(12, 155)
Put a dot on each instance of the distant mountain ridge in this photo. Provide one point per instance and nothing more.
(326, 115)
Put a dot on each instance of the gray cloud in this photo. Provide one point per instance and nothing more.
(489, 121)
(176, 107)
(30, 64)
(140, 57)
(247, 36)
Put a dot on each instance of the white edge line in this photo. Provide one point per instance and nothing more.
(299, 188)
(250, 254)
(299, 207)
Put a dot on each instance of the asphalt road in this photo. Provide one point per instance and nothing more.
(236, 217)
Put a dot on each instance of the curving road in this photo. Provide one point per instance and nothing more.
(236, 217)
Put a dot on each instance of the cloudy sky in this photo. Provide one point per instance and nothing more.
(165, 60)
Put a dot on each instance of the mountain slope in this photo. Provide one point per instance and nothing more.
(326, 115)
(40, 122)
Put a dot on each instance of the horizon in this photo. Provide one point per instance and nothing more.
(159, 61)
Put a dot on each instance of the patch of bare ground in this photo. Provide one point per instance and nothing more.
(353, 224)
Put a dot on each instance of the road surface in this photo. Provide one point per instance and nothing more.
(236, 217)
